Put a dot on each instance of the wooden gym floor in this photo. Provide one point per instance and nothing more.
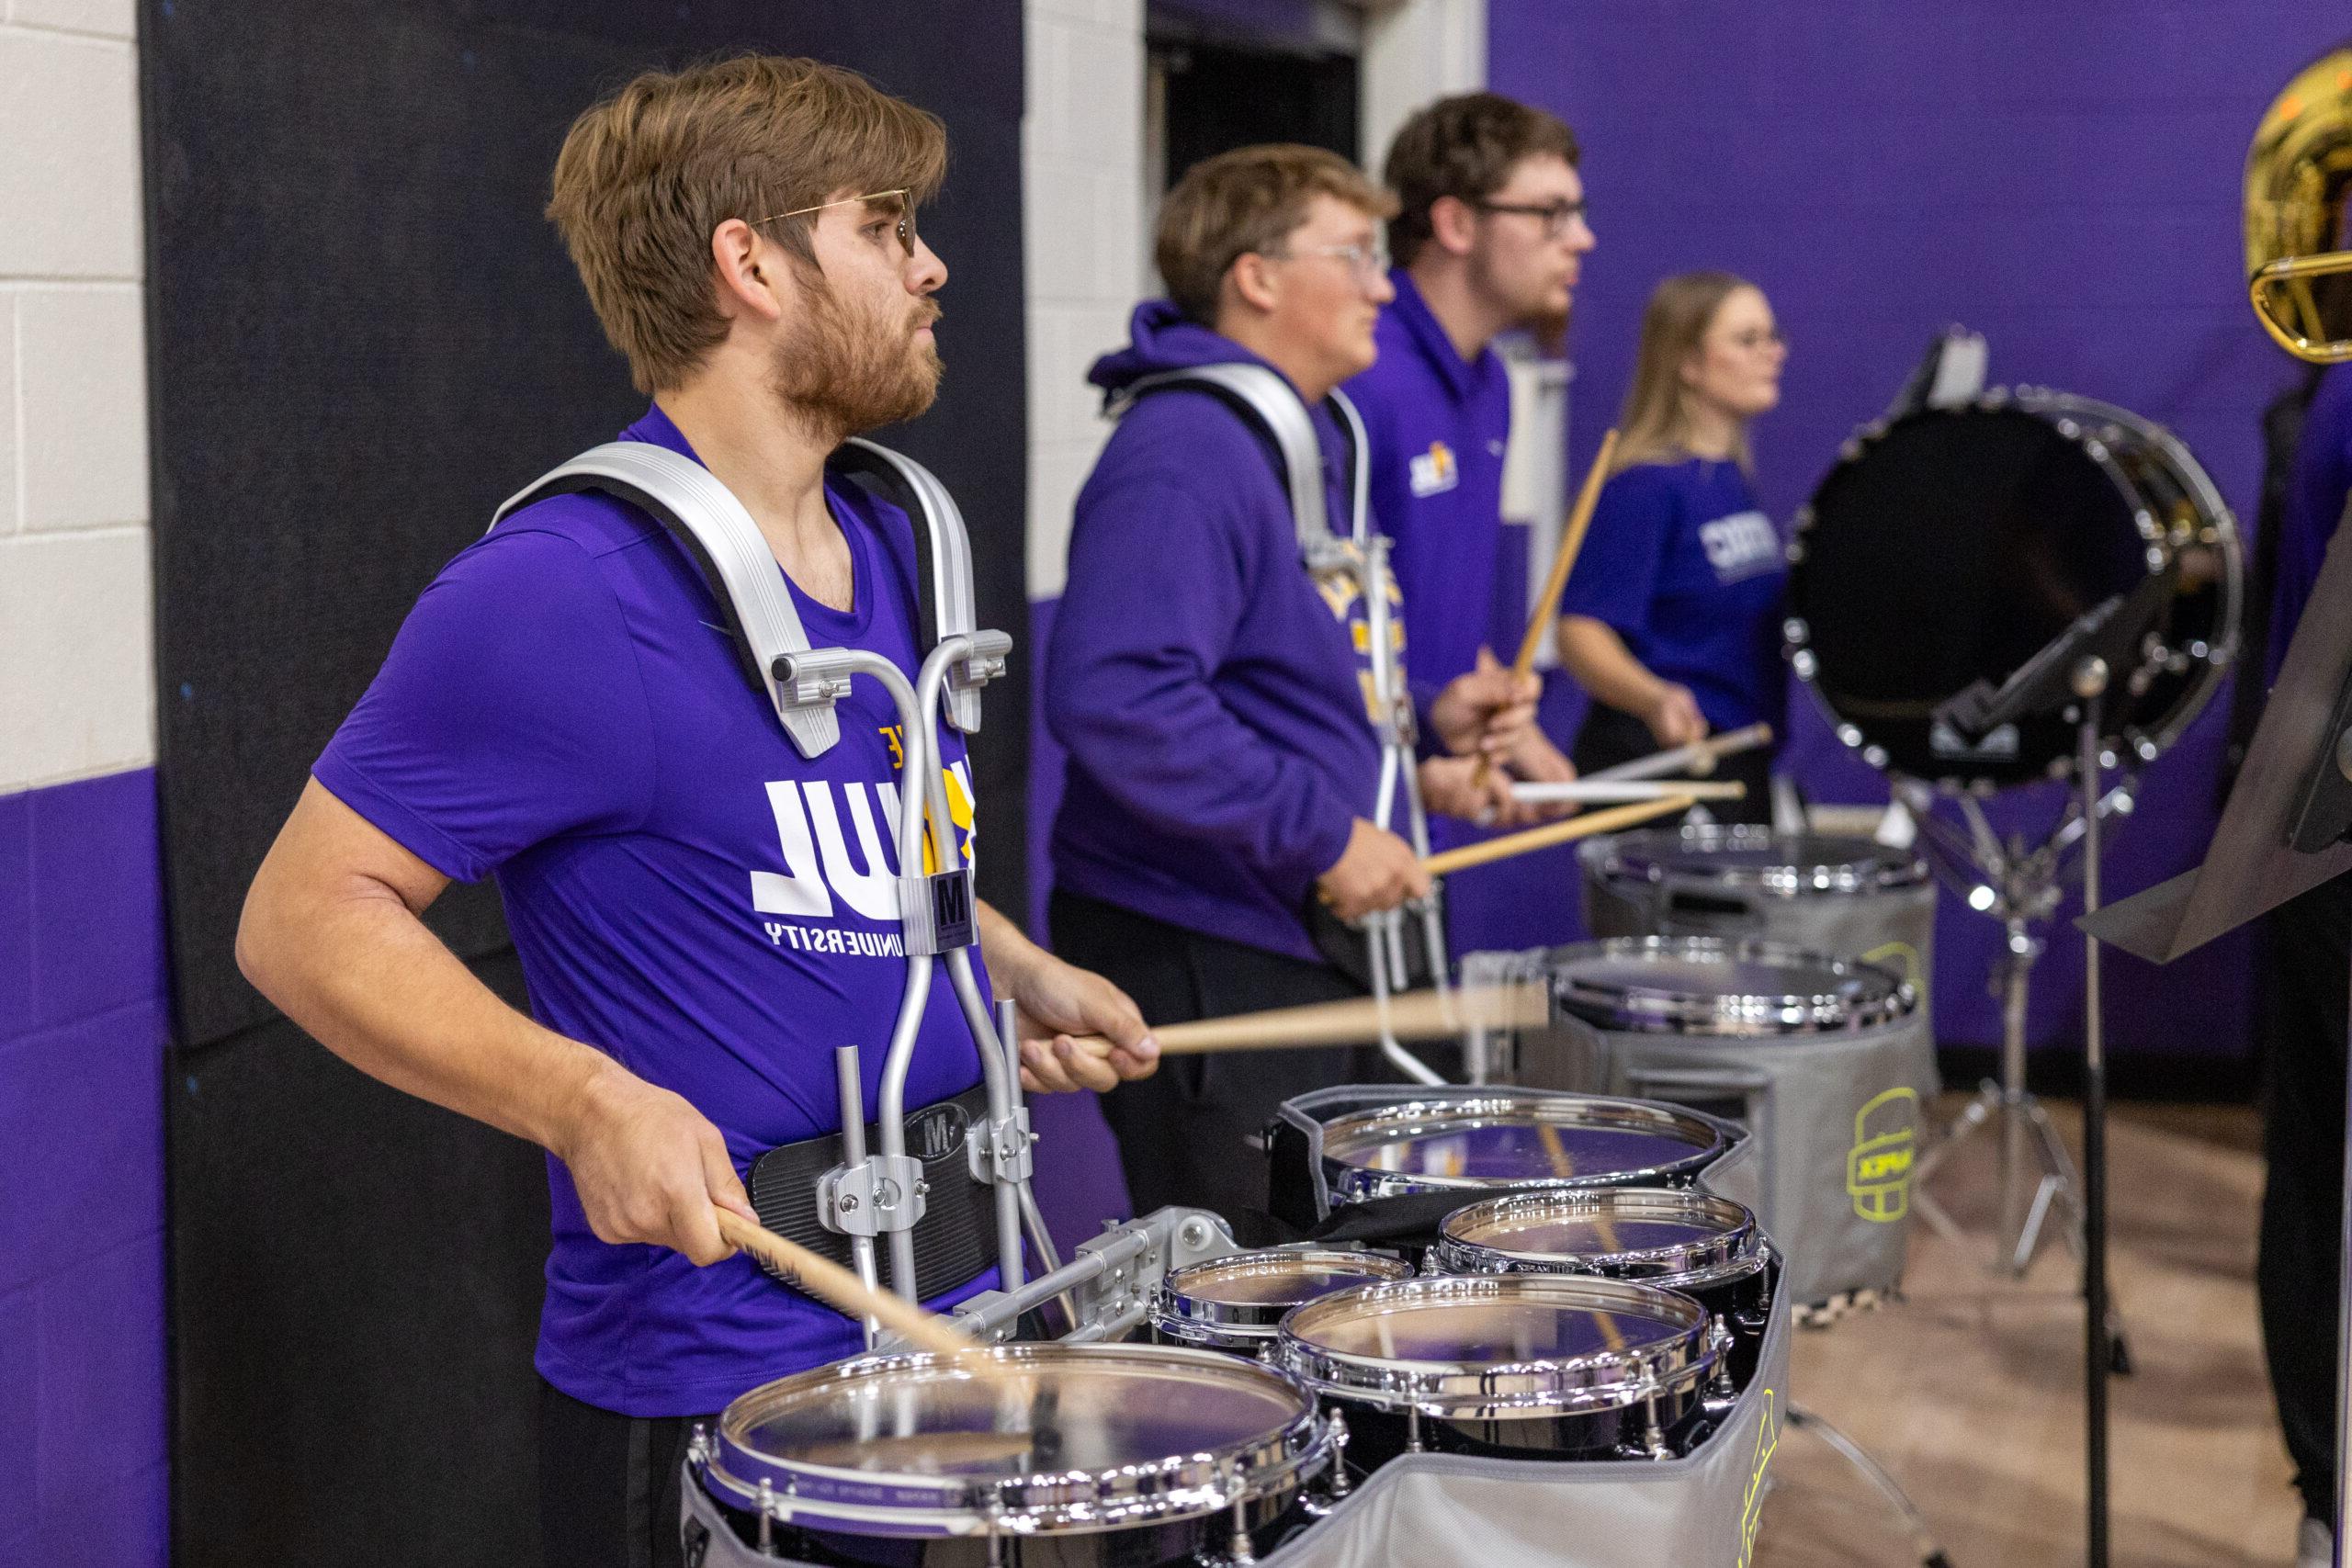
(1971, 1390)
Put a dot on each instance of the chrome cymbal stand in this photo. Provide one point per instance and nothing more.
(2020, 887)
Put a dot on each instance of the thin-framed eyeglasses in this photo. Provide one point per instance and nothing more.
(1366, 263)
(1556, 215)
(1754, 338)
(906, 225)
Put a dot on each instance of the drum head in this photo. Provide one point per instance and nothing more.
(1704, 986)
(1956, 543)
(1627, 1233)
(931, 1444)
(1530, 1340)
(1254, 1289)
(1754, 858)
(1516, 1141)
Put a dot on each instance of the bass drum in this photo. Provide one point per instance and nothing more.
(1951, 545)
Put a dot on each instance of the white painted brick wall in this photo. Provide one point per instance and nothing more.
(1081, 161)
(76, 668)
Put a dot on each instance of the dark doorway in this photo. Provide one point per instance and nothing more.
(1221, 96)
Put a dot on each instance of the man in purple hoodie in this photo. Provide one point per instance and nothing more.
(1488, 236)
(1211, 694)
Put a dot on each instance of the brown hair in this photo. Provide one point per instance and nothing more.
(649, 174)
(1680, 309)
(1245, 202)
(1464, 147)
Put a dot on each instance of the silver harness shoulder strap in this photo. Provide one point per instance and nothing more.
(719, 534)
(1272, 404)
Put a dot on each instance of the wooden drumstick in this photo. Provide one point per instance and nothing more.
(1548, 606)
(1699, 756)
(1617, 791)
(1416, 1015)
(840, 1288)
(1490, 850)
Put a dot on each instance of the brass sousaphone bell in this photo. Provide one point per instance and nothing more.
(2296, 177)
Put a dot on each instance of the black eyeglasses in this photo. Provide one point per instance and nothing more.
(1556, 215)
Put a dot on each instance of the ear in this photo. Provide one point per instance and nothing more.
(754, 275)
(1254, 283)
(1454, 225)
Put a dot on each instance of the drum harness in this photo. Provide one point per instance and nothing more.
(882, 1194)
(1273, 408)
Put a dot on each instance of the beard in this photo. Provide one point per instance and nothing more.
(846, 371)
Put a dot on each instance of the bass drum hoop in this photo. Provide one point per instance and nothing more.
(2089, 425)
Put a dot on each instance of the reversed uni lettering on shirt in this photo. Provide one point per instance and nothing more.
(1740, 546)
(820, 873)
(1434, 472)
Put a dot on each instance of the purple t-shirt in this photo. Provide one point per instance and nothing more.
(1437, 425)
(1687, 568)
(685, 891)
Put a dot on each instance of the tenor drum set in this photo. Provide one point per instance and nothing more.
(1561, 1294)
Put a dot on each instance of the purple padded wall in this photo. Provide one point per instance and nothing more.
(2063, 178)
(82, 1387)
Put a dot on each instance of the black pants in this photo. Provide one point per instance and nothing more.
(2310, 951)
(608, 1484)
(1182, 1131)
(1611, 735)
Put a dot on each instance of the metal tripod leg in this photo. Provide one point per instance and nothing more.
(1922, 1542)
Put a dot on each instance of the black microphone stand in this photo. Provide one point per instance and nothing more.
(2073, 674)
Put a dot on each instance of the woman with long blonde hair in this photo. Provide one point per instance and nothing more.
(1672, 619)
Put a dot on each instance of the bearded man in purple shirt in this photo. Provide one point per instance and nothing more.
(564, 710)
(1212, 693)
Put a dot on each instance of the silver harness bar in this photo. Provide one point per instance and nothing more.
(1262, 395)
(878, 1195)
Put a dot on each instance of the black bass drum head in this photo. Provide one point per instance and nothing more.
(1954, 544)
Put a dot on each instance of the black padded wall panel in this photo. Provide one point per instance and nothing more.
(364, 335)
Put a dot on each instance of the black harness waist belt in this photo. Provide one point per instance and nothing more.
(956, 1238)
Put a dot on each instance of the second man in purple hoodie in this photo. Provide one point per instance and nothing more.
(1212, 696)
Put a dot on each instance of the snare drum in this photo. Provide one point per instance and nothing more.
(1849, 898)
(1522, 1366)
(1824, 1061)
(1235, 1303)
(1706, 1246)
(1498, 1142)
(1091, 1454)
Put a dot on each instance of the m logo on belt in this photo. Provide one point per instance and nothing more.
(1433, 472)
(937, 1131)
(1878, 1168)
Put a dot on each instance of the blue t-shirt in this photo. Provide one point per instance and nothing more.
(685, 891)
(1683, 565)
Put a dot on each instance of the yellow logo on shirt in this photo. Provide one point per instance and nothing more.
(1433, 472)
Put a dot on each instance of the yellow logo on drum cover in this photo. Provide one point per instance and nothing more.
(1904, 959)
(1878, 1168)
(1751, 1506)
